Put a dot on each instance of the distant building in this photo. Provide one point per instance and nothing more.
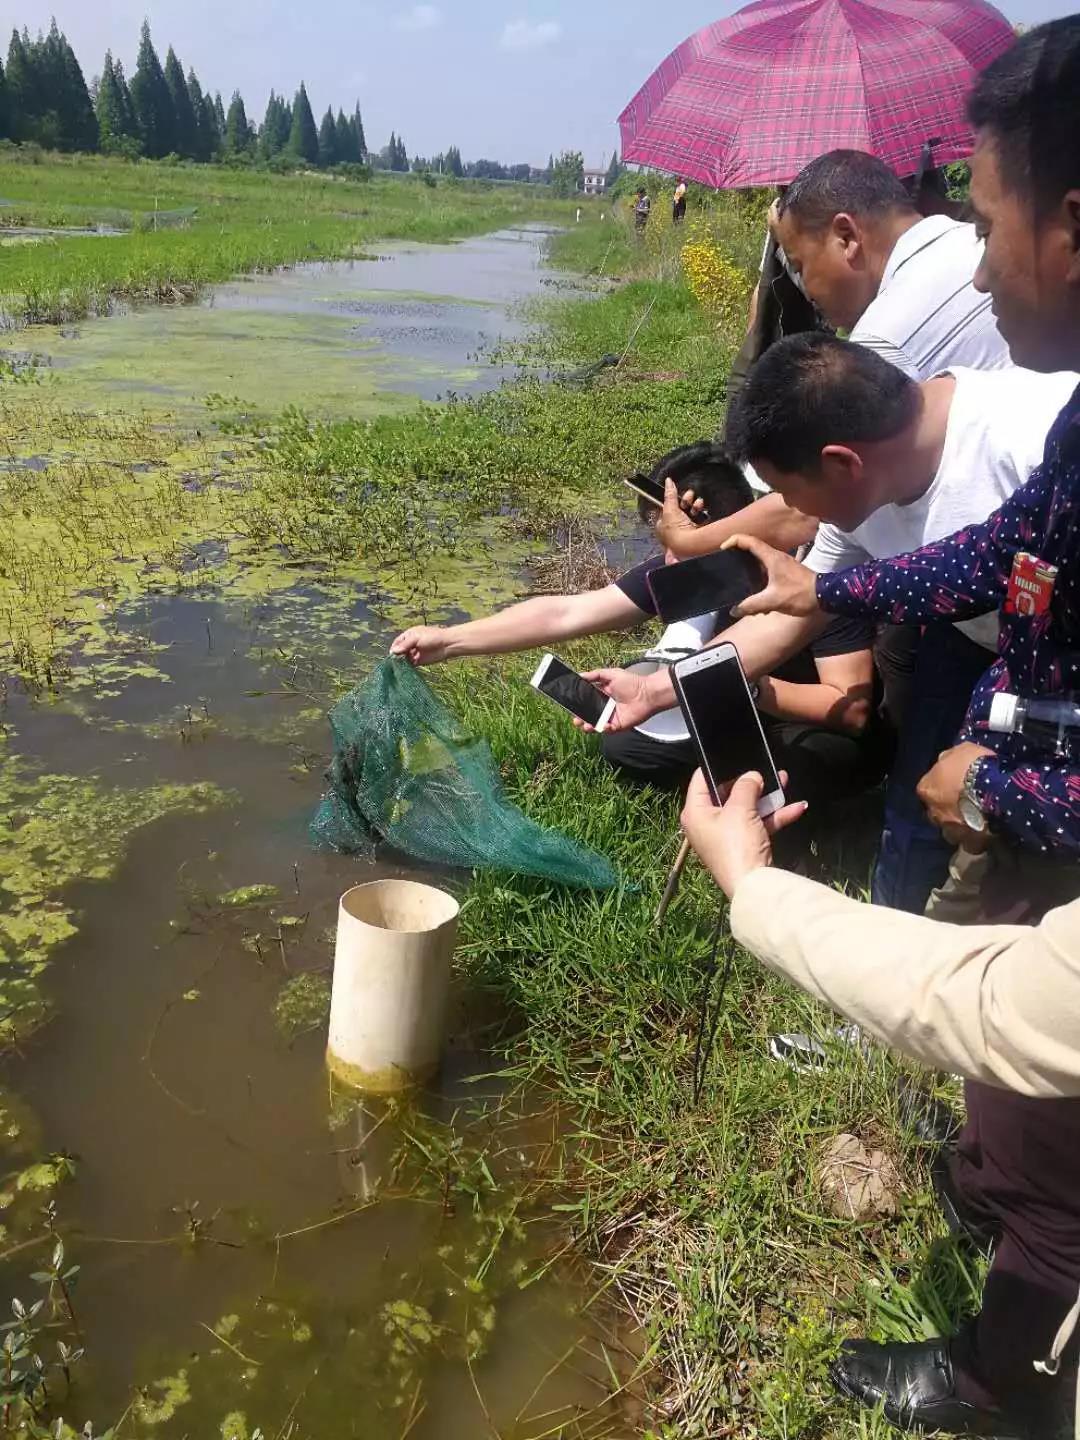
(595, 182)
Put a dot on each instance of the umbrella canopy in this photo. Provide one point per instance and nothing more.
(752, 99)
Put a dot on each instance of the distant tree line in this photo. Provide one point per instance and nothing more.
(45, 100)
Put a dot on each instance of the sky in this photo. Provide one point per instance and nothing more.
(501, 81)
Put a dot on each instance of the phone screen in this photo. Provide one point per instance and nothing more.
(568, 689)
(710, 582)
(724, 721)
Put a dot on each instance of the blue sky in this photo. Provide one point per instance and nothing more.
(504, 81)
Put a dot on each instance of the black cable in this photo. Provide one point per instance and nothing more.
(703, 1047)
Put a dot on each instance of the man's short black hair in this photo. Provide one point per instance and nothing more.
(809, 391)
(1029, 101)
(842, 181)
(706, 468)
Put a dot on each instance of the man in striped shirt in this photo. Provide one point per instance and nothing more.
(897, 283)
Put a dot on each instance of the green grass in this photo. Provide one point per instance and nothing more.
(215, 223)
(708, 1220)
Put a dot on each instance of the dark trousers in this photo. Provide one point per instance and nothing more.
(822, 765)
(1017, 1173)
(914, 857)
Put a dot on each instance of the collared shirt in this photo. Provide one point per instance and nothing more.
(1030, 795)
(927, 316)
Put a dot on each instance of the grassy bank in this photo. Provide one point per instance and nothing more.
(713, 1221)
(185, 226)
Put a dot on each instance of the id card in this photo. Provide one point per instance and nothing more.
(1031, 586)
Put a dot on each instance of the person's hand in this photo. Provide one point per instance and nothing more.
(633, 695)
(791, 588)
(675, 525)
(732, 839)
(939, 789)
(422, 645)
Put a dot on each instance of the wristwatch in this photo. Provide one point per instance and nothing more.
(971, 812)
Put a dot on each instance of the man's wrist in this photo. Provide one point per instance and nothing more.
(659, 690)
(986, 775)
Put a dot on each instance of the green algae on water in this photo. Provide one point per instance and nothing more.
(62, 829)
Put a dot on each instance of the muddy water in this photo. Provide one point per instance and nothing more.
(350, 337)
(259, 1250)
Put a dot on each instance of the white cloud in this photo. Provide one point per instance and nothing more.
(523, 35)
(420, 17)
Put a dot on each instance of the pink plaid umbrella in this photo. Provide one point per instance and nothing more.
(752, 99)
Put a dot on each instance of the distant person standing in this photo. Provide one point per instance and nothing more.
(641, 209)
(678, 209)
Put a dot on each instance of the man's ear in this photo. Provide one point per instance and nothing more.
(845, 230)
(1071, 209)
(839, 463)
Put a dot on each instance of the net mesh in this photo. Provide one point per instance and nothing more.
(405, 772)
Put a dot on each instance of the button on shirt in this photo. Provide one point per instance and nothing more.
(1032, 797)
(927, 315)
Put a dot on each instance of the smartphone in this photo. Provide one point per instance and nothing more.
(653, 491)
(722, 718)
(708, 582)
(566, 687)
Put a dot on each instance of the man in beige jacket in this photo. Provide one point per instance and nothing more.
(998, 1004)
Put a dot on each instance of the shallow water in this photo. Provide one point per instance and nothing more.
(349, 337)
(258, 1248)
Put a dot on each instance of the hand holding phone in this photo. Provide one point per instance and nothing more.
(707, 583)
(567, 688)
(732, 839)
(654, 490)
(724, 723)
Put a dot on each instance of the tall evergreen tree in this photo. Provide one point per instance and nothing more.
(219, 116)
(204, 146)
(614, 170)
(5, 114)
(275, 127)
(24, 91)
(343, 135)
(131, 125)
(152, 101)
(237, 130)
(211, 127)
(303, 137)
(328, 151)
(185, 128)
(78, 121)
(452, 162)
(361, 142)
(114, 119)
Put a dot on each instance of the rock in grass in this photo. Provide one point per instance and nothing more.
(857, 1183)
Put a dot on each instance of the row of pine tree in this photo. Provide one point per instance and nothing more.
(44, 99)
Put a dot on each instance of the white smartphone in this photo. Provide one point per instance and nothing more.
(723, 720)
(566, 687)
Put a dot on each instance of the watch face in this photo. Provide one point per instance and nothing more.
(970, 813)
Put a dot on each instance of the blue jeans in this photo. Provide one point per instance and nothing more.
(914, 857)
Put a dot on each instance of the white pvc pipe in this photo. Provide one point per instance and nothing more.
(395, 940)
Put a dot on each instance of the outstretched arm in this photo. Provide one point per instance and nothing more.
(996, 1003)
(544, 620)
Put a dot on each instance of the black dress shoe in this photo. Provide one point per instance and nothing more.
(914, 1386)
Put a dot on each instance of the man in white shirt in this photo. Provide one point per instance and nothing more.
(888, 465)
(897, 283)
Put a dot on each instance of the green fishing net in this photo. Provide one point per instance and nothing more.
(406, 773)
